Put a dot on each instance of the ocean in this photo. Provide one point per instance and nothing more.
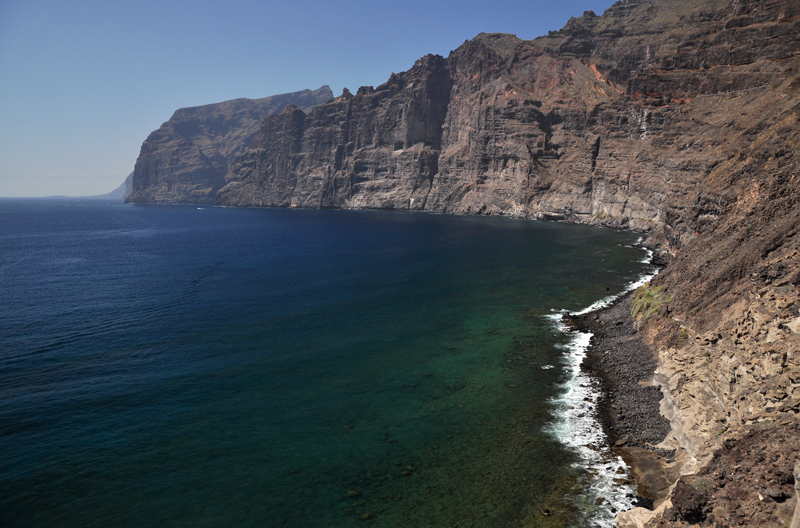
(199, 366)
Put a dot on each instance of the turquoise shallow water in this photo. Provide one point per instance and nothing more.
(178, 366)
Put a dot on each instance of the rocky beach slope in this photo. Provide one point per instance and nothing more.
(748, 477)
(629, 409)
(676, 118)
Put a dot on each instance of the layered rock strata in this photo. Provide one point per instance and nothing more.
(675, 118)
(186, 159)
(591, 124)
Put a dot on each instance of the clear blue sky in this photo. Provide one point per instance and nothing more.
(83, 83)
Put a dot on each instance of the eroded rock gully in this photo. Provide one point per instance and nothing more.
(675, 118)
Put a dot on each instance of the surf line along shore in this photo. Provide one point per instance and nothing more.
(629, 403)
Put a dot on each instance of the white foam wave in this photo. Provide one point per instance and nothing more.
(578, 426)
(607, 301)
(648, 257)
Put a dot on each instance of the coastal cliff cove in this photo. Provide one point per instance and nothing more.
(676, 119)
(273, 367)
(602, 329)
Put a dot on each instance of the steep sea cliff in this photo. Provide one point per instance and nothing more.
(678, 119)
(186, 159)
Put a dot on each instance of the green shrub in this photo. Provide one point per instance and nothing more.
(683, 336)
(647, 301)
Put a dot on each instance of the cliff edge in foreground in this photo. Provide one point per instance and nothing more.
(676, 118)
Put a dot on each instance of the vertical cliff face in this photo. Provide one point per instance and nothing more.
(676, 118)
(583, 125)
(185, 161)
(377, 149)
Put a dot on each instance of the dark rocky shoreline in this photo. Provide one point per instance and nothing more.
(629, 405)
(624, 364)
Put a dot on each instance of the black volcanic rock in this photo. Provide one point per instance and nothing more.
(185, 161)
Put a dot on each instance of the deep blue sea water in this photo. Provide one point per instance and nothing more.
(185, 366)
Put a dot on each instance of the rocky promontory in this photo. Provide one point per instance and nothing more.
(186, 159)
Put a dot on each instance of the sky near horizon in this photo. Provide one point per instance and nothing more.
(82, 84)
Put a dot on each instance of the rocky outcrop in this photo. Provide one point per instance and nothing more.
(185, 161)
(729, 340)
(677, 118)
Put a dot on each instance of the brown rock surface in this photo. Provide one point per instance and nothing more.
(623, 120)
(185, 161)
(677, 118)
(748, 482)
